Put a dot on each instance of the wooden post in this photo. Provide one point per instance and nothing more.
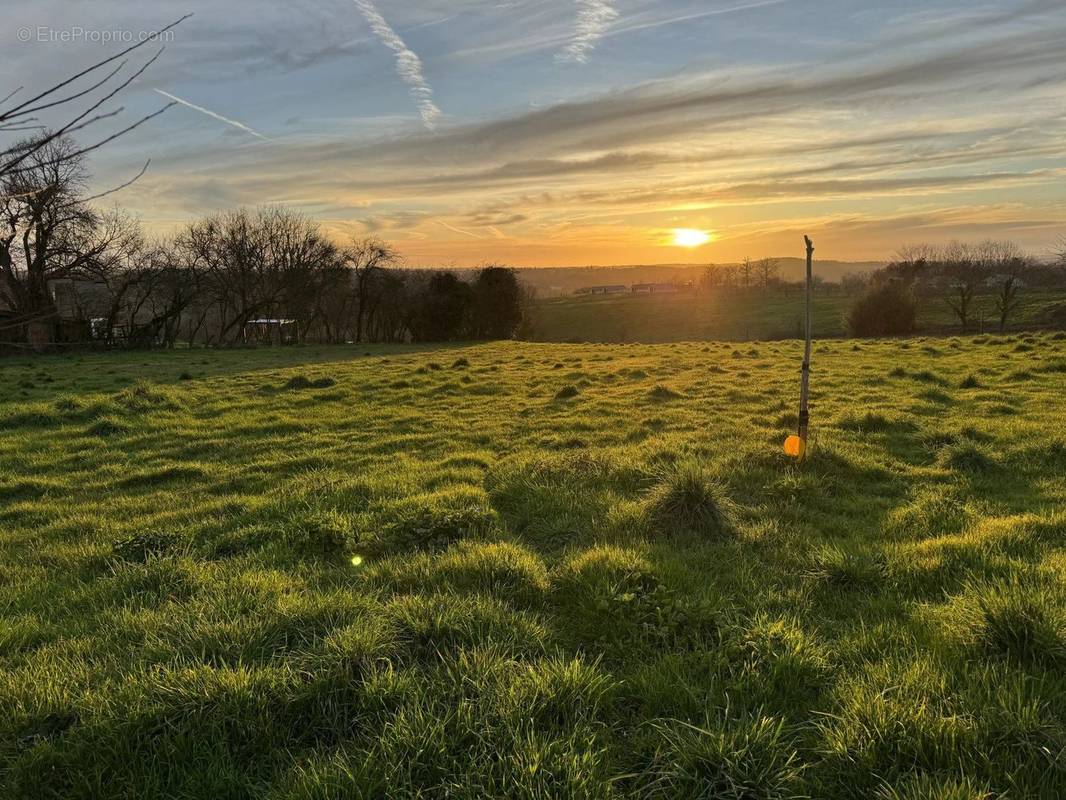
(804, 414)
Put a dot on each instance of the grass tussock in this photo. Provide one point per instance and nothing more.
(967, 457)
(503, 570)
(725, 759)
(302, 383)
(663, 394)
(428, 522)
(1019, 619)
(144, 397)
(689, 500)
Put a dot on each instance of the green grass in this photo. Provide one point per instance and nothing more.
(755, 315)
(535, 571)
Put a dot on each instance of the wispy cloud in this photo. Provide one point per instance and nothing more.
(593, 19)
(408, 64)
(234, 123)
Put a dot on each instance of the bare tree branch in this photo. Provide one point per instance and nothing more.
(52, 90)
(67, 128)
(120, 187)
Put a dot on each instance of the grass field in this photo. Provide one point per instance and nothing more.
(535, 571)
(748, 316)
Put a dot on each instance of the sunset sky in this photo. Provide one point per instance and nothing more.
(573, 132)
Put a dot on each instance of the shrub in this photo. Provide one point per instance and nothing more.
(885, 310)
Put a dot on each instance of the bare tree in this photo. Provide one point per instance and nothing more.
(1005, 265)
(366, 258)
(964, 271)
(747, 271)
(50, 233)
(266, 262)
(768, 271)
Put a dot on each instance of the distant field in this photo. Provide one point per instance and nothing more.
(744, 317)
(535, 571)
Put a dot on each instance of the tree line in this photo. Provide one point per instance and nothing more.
(957, 274)
(763, 274)
(71, 272)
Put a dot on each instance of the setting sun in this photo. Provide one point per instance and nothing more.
(690, 237)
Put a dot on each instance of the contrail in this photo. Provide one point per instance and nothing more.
(458, 230)
(408, 64)
(593, 18)
(219, 117)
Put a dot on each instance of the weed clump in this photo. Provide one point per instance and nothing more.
(784, 662)
(970, 382)
(689, 501)
(460, 363)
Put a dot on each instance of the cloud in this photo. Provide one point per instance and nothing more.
(748, 151)
(408, 64)
(232, 122)
(593, 18)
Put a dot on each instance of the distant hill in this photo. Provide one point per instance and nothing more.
(554, 281)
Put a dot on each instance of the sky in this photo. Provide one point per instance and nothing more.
(579, 132)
